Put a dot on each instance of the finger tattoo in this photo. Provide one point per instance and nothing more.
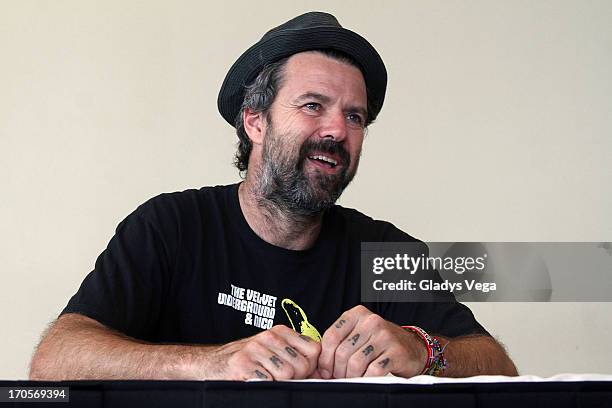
(259, 374)
(276, 361)
(291, 351)
(305, 338)
(384, 363)
(340, 323)
(354, 339)
(368, 349)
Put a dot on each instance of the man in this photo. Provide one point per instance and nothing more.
(235, 282)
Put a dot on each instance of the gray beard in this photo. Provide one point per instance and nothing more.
(284, 186)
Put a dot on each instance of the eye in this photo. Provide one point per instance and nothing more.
(313, 106)
(355, 118)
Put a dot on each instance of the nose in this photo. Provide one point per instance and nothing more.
(334, 127)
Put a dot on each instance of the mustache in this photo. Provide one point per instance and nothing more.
(325, 146)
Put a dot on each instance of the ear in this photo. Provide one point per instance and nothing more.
(254, 125)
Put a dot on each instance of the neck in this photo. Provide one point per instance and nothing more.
(273, 224)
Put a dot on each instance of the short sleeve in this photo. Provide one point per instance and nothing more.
(125, 288)
(444, 317)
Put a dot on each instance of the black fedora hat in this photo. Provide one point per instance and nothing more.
(310, 31)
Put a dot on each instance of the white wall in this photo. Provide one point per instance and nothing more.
(496, 127)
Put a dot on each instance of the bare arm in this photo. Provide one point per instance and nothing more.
(361, 343)
(476, 355)
(77, 347)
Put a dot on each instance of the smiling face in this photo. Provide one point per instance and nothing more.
(313, 133)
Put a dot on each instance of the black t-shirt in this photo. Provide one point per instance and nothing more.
(186, 267)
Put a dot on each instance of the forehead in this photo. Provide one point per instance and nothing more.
(312, 71)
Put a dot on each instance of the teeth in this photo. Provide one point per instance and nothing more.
(325, 159)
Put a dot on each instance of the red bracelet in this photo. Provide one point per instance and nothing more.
(436, 363)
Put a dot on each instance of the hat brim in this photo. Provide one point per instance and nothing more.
(289, 42)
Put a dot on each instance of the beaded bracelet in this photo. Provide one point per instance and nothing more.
(436, 362)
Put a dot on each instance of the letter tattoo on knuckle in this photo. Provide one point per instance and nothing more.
(261, 375)
(384, 363)
(354, 339)
(291, 351)
(305, 338)
(276, 361)
(366, 351)
(340, 323)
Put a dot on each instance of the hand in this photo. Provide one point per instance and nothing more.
(275, 354)
(361, 343)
